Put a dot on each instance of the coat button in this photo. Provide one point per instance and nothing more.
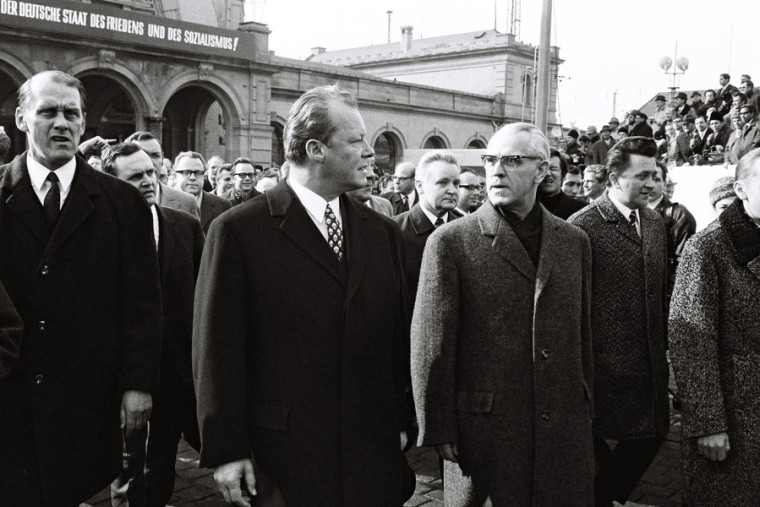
(39, 379)
(545, 354)
(545, 415)
(45, 270)
(41, 325)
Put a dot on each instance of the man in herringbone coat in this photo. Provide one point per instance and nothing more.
(714, 338)
(501, 348)
(628, 321)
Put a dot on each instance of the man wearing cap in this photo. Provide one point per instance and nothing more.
(699, 140)
(640, 126)
(573, 149)
(719, 140)
(614, 124)
(696, 101)
(722, 194)
(659, 117)
(708, 103)
(682, 108)
(592, 134)
(598, 152)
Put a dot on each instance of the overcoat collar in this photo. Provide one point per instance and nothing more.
(301, 230)
(19, 196)
(422, 224)
(612, 215)
(743, 236)
(508, 246)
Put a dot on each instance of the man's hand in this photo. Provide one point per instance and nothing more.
(449, 452)
(714, 447)
(96, 143)
(228, 477)
(135, 410)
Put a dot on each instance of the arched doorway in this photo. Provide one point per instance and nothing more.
(8, 102)
(388, 152)
(434, 143)
(278, 149)
(111, 111)
(195, 121)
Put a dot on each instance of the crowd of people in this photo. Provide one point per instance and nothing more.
(302, 332)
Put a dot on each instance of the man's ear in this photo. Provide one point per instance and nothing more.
(418, 187)
(614, 180)
(543, 169)
(21, 120)
(315, 150)
(739, 189)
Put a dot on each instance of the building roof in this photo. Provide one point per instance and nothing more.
(447, 44)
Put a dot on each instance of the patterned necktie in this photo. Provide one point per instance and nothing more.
(438, 222)
(632, 219)
(52, 203)
(405, 200)
(334, 233)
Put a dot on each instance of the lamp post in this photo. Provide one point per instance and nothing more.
(682, 64)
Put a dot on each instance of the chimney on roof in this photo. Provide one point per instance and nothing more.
(406, 39)
(317, 51)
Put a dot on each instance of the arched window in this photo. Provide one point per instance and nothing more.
(278, 149)
(528, 88)
(434, 143)
(387, 152)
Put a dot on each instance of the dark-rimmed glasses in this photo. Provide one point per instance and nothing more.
(506, 160)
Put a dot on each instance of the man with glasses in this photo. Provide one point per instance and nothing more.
(469, 192)
(628, 323)
(501, 348)
(244, 176)
(404, 194)
(166, 196)
(189, 168)
(749, 138)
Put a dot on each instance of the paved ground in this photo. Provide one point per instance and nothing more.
(659, 487)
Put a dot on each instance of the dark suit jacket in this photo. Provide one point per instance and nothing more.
(211, 207)
(598, 152)
(398, 203)
(235, 199)
(90, 299)
(177, 199)
(300, 357)
(11, 327)
(416, 228)
(641, 129)
(179, 254)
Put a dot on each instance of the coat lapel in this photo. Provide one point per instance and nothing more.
(550, 246)
(19, 196)
(505, 242)
(613, 216)
(77, 207)
(167, 227)
(420, 221)
(357, 243)
(300, 229)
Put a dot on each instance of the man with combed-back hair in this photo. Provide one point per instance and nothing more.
(628, 322)
(300, 338)
(501, 348)
(78, 260)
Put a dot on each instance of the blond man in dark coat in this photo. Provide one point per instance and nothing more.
(628, 322)
(714, 338)
(501, 349)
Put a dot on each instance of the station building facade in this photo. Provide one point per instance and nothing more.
(199, 78)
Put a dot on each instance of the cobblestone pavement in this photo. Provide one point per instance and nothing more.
(659, 487)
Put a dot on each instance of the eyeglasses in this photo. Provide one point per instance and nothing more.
(246, 176)
(507, 160)
(397, 178)
(469, 187)
(187, 173)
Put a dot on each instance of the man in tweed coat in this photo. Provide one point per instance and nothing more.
(501, 349)
(714, 337)
(628, 322)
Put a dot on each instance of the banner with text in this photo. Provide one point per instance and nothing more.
(98, 22)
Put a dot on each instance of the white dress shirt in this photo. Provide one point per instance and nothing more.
(38, 174)
(315, 206)
(155, 224)
(433, 218)
(626, 211)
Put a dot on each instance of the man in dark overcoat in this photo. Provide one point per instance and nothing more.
(628, 321)
(714, 335)
(501, 343)
(299, 350)
(78, 259)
